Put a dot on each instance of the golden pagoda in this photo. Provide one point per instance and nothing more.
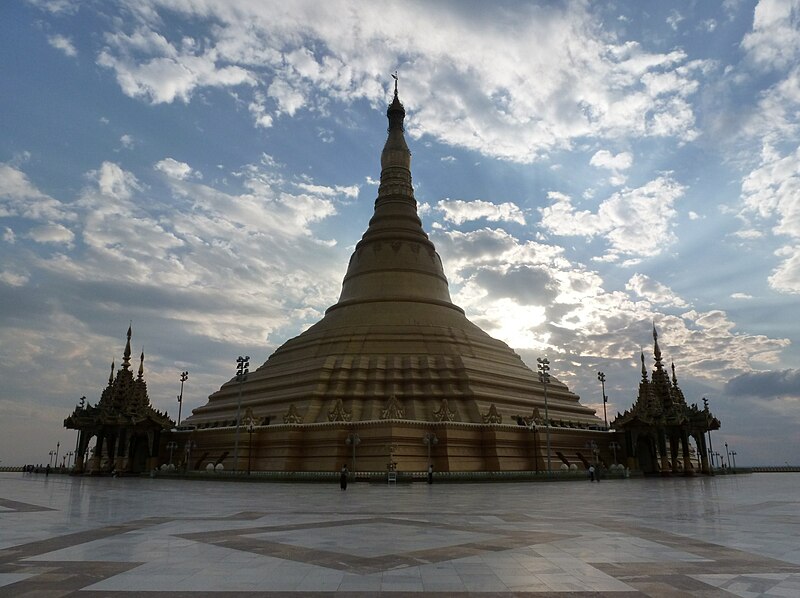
(394, 375)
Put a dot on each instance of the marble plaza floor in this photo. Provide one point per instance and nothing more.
(722, 536)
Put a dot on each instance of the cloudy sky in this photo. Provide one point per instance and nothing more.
(204, 170)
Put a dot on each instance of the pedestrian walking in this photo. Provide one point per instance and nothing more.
(343, 477)
(591, 473)
(430, 474)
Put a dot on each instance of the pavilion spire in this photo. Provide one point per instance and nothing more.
(126, 357)
(657, 349)
(111, 375)
(644, 369)
(141, 365)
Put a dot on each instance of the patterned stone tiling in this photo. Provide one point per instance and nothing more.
(166, 539)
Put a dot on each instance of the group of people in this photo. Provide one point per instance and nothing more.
(37, 469)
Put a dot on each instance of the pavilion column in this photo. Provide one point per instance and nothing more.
(662, 451)
(80, 450)
(700, 439)
(674, 440)
(688, 469)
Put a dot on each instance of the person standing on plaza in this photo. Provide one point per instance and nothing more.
(591, 473)
(430, 474)
(343, 477)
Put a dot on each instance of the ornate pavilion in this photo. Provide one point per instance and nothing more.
(126, 429)
(394, 375)
(658, 426)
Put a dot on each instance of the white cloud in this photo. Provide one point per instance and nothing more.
(19, 197)
(115, 182)
(622, 218)
(674, 19)
(177, 170)
(127, 141)
(459, 211)
(786, 277)
(9, 236)
(615, 163)
(771, 193)
(653, 291)
(742, 296)
(588, 84)
(14, 279)
(52, 233)
(562, 308)
(350, 191)
(774, 41)
(63, 43)
(147, 65)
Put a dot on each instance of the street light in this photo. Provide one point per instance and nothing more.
(242, 365)
(69, 458)
(51, 453)
(430, 439)
(708, 422)
(602, 377)
(614, 445)
(543, 365)
(251, 427)
(171, 445)
(727, 452)
(58, 448)
(184, 378)
(733, 454)
(353, 440)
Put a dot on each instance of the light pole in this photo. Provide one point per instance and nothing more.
(543, 365)
(171, 445)
(727, 452)
(184, 378)
(242, 365)
(708, 417)
(430, 439)
(51, 453)
(614, 445)
(733, 454)
(353, 440)
(251, 427)
(602, 377)
(69, 458)
(58, 448)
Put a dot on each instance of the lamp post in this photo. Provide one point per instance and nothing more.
(708, 418)
(171, 445)
(184, 378)
(51, 453)
(733, 454)
(69, 458)
(251, 427)
(353, 440)
(58, 448)
(614, 445)
(727, 452)
(543, 365)
(602, 377)
(430, 439)
(242, 365)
